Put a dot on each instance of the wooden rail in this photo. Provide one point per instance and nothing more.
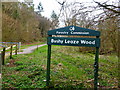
(12, 45)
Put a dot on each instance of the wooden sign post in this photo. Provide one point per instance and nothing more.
(85, 42)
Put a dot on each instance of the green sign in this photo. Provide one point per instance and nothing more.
(53, 39)
(74, 30)
(87, 42)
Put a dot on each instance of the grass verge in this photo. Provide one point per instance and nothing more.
(69, 69)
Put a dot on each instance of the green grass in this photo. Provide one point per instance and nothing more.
(69, 69)
(1, 48)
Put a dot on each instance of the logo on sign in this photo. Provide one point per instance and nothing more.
(72, 28)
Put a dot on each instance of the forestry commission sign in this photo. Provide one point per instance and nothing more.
(74, 41)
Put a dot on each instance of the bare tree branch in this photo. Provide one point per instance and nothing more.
(112, 8)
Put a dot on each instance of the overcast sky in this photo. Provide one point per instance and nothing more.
(50, 5)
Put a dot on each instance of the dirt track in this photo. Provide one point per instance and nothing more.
(30, 49)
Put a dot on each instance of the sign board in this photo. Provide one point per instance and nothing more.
(74, 30)
(74, 41)
(87, 42)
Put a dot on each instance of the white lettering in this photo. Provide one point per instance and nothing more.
(64, 32)
(61, 32)
(87, 42)
(56, 41)
(79, 32)
(71, 42)
(82, 41)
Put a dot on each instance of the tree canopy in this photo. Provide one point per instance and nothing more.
(21, 23)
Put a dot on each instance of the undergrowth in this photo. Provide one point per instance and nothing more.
(69, 69)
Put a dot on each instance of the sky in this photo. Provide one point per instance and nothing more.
(50, 5)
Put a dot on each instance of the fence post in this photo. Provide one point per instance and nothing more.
(19, 45)
(11, 52)
(3, 56)
(16, 49)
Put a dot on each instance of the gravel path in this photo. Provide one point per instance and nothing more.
(30, 49)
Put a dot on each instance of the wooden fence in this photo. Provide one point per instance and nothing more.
(11, 46)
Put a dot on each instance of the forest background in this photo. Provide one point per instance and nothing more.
(22, 23)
